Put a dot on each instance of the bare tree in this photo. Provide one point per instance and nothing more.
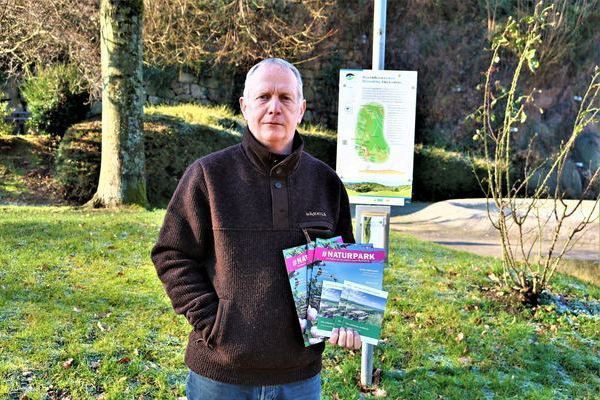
(530, 210)
(38, 32)
(177, 32)
(235, 31)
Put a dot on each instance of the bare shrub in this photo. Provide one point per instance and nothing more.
(527, 211)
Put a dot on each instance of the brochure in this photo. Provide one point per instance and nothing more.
(364, 308)
(297, 259)
(339, 262)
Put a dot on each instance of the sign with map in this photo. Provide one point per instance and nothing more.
(376, 131)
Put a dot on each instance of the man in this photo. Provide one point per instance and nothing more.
(219, 252)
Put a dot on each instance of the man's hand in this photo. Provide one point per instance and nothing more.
(345, 338)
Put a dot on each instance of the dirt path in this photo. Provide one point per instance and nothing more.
(463, 224)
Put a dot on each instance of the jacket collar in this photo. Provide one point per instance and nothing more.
(265, 161)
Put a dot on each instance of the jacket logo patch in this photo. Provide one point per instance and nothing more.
(316, 214)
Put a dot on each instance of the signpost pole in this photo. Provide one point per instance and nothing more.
(379, 34)
(379, 16)
(372, 226)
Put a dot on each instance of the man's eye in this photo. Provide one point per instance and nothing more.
(263, 97)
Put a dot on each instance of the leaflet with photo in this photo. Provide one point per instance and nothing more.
(329, 307)
(364, 307)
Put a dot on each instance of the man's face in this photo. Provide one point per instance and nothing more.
(272, 107)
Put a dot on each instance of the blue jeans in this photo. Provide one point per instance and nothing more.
(201, 388)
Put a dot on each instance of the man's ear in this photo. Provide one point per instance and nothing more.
(243, 106)
(302, 110)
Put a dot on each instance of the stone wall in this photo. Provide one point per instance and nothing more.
(447, 46)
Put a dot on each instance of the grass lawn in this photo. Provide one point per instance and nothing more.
(83, 315)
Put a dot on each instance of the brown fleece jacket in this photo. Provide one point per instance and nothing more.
(219, 256)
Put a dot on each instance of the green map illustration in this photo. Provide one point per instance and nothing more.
(370, 141)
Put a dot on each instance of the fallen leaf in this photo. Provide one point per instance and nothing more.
(68, 363)
(124, 360)
(460, 337)
(465, 360)
(379, 392)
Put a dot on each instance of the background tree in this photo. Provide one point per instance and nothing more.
(38, 33)
(238, 32)
(122, 179)
(177, 32)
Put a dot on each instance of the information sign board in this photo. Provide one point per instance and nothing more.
(376, 131)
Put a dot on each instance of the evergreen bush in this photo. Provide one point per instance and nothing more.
(441, 174)
(56, 99)
(172, 144)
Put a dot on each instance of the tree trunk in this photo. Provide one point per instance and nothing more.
(122, 179)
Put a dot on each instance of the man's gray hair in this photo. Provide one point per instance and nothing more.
(280, 62)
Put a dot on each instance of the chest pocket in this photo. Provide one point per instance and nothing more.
(322, 229)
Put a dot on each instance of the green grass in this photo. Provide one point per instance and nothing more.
(215, 116)
(221, 117)
(79, 284)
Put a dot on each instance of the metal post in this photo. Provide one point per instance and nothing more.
(379, 34)
(379, 216)
(372, 226)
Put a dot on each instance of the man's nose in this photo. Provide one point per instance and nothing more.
(274, 105)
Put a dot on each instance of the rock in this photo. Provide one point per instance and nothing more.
(184, 98)
(546, 98)
(587, 148)
(570, 182)
(153, 100)
(197, 91)
(95, 109)
(180, 88)
(186, 77)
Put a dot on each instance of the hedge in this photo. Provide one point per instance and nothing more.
(440, 174)
(171, 145)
